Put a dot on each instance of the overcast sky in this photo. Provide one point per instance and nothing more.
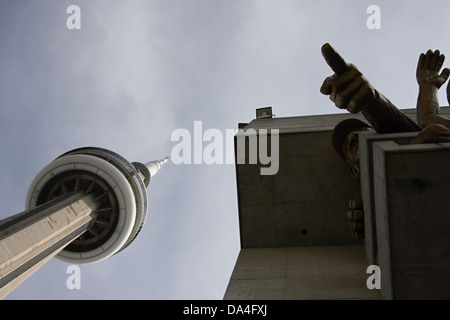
(138, 70)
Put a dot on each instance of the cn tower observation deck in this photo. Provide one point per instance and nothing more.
(116, 186)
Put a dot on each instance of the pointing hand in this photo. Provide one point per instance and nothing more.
(347, 88)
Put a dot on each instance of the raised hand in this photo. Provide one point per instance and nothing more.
(430, 81)
(428, 69)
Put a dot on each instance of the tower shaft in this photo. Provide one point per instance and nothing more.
(30, 238)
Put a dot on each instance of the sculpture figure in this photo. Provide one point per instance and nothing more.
(349, 89)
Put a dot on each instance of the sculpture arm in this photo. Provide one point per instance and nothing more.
(428, 107)
(385, 117)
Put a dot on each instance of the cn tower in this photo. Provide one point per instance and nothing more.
(83, 207)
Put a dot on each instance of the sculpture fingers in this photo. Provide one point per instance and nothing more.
(448, 93)
(428, 59)
(340, 82)
(421, 61)
(344, 96)
(355, 214)
(435, 60)
(335, 84)
(333, 59)
(444, 75)
(439, 62)
(326, 86)
(361, 98)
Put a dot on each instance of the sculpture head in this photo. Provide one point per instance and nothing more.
(345, 142)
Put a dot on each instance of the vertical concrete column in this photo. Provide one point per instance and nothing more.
(31, 238)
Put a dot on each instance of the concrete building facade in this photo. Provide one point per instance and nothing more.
(294, 233)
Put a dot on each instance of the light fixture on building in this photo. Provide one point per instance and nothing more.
(265, 112)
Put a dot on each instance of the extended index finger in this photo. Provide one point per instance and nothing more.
(333, 59)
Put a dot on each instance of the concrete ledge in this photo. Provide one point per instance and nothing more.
(412, 197)
(297, 273)
(366, 141)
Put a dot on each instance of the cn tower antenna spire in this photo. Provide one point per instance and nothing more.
(149, 169)
(155, 165)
